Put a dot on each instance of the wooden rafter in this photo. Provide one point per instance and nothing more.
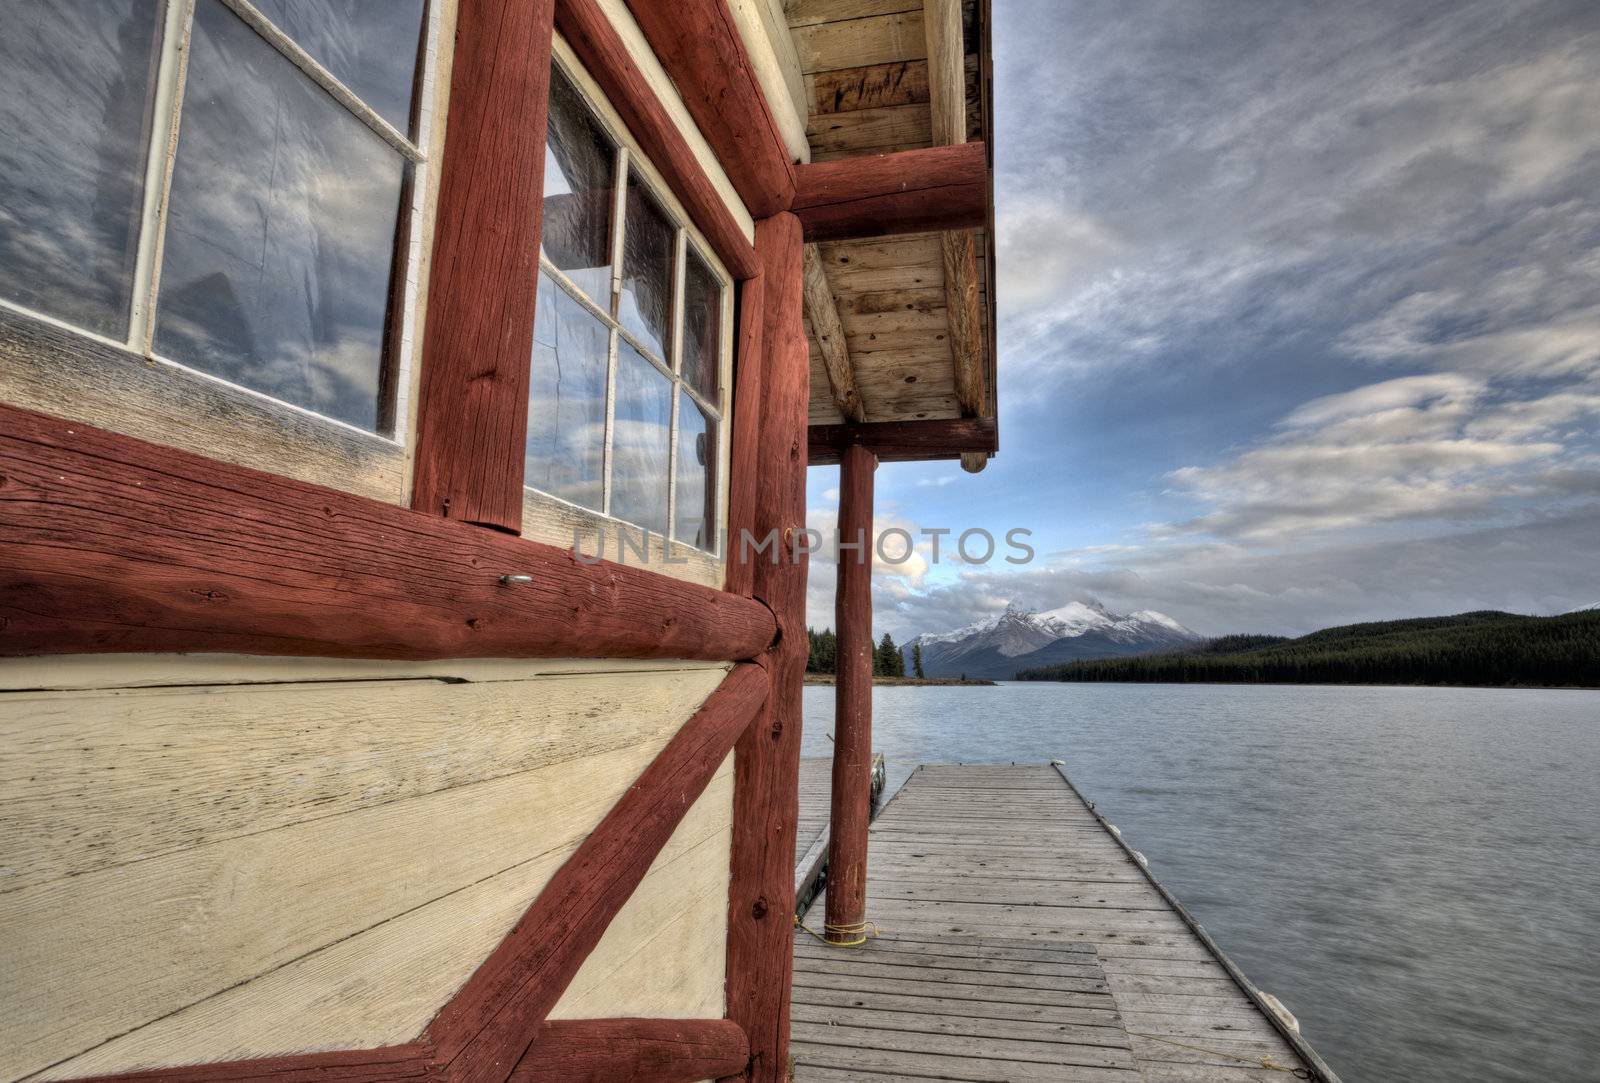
(109, 544)
(905, 441)
(947, 97)
(823, 312)
(879, 195)
(698, 43)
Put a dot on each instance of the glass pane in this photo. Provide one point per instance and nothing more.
(371, 46)
(282, 230)
(639, 445)
(578, 165)
(697, 476)
(647, 240)
(76, 78)
(702, 328)
(567, 402)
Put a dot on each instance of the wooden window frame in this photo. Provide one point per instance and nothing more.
(126, 366)
(549, 518)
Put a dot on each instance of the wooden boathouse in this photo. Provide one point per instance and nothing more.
(404, 419)
(387, 393)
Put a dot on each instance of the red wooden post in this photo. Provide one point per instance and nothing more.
(852, 727)
(472, 418)
(767, 757)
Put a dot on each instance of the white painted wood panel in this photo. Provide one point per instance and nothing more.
(278, 838)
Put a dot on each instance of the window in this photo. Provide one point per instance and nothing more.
(625, 414)
(270, 249)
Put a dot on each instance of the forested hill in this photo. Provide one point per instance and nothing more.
(1483, 648)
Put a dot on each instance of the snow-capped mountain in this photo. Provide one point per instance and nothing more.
(997, 647)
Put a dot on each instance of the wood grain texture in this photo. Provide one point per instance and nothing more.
(587, 28)
(98, 779)
(46, 368)
(488, 1023)
(858, 42)
(767, 758)
(771, 47)
(905, 441)
(472, 415)
(828, 333)
(743, 480)
(383, 985)
(110, 544)
(354, 1066)
(912, 191)
(698, 43)
(852, 728)
(641, 1050)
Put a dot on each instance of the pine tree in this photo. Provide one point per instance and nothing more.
(916, 660)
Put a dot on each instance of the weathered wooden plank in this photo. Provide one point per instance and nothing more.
(854, 43)
(871, 1062)
(822, 315)
(875, 1018)
(811, 12)
(1010, 1051)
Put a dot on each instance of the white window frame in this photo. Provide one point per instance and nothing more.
(630, 160)
(166, 116)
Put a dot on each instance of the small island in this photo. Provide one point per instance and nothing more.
(889, 663)
(829, 679)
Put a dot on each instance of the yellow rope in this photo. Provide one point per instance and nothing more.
(859, 932)
(1264, 1062)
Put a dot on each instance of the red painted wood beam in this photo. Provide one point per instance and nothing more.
(911, 191)
(698, 43)
(639, 1050)
(110, 545)
(767, 758)
(492, 1021)
(587, 29)
(852, 728)
(472, 417)
(905, 441)
(744, 440)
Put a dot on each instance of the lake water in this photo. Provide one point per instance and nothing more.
(1415, 872)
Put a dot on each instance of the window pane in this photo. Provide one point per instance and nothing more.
(567, 403)
(639, 447)
(578, 164)
(697, 476)
(282, 230)
(76, 77)
(369, 45)
(702, 328)
(647, 240)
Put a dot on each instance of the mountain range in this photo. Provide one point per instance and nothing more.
(998, 647)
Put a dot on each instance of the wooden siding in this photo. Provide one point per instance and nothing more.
(239, 869)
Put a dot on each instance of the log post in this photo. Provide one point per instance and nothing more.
(766, 801)
(852, 728)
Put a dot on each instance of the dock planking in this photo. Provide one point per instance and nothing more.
(811, 834)
(1019, 940)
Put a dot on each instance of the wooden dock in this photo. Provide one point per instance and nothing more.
(1020, 939)
(811, 840)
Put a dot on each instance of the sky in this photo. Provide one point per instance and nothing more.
(1299, 319)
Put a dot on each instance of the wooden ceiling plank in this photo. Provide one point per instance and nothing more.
(855, 43)
(828, 333)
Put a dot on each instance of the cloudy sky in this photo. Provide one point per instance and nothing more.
(1300, 317)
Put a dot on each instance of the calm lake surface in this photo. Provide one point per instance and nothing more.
(1415, 872)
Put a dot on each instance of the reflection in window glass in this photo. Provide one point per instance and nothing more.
(696, 519)
(281, 233)
(578, 165)
(76, 78)
(702, 323)
(647, 256)
(567, 403)
(639, 442)
(369, 45)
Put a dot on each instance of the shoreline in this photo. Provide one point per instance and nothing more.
(829, 679)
